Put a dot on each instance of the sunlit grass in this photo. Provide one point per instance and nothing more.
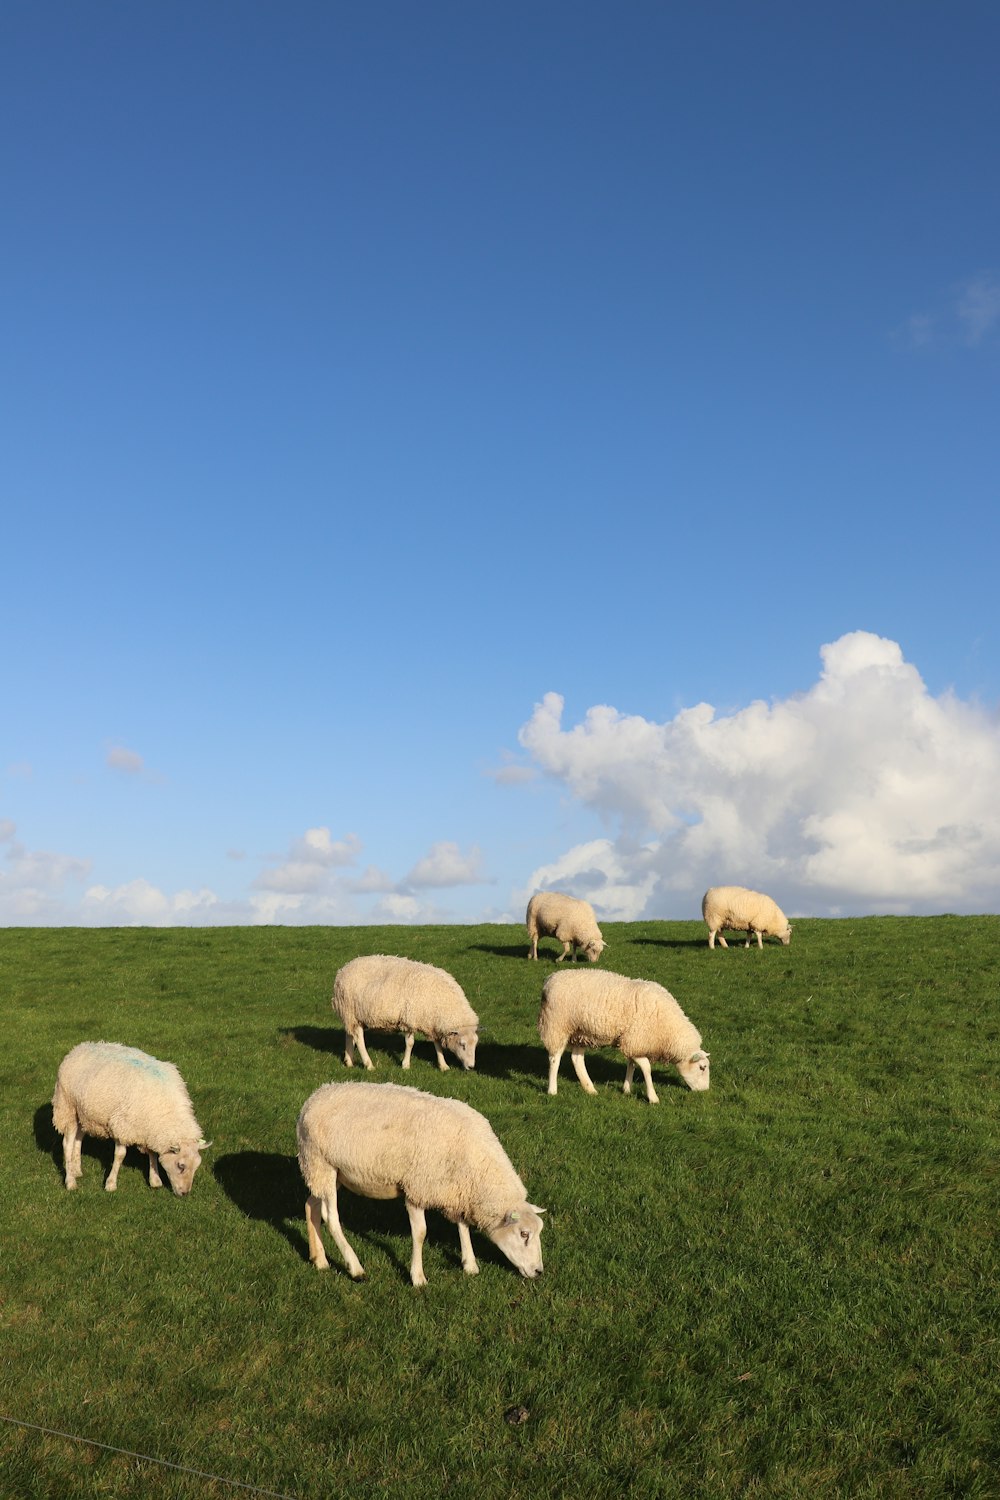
(783, 1287)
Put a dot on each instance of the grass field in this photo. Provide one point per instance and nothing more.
(787, 1286)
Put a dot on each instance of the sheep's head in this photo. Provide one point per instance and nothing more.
(519, 1237)
(463, 1045)
(594, 949)
(694, 1071)
(181, 1162)
(786, 936)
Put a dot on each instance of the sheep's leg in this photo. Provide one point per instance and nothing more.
(408, 1049)
(647, 1073)
(442, 1064)
(72, 1150)
(314, 1219)
(469, 1265)
(155, 1180)
(112, 1182)
(711, 938)
(328, 1209)
(554, 1060)
(533, 947)
(418, 1229)
(629, 1071)
(348, 1050)
(760, 939)
(722, 941)
(564, 953)
(576, 1053)
(359, 1039)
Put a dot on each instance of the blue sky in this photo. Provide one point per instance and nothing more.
(370, 375)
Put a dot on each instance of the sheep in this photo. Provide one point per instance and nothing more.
(552, 914)
(735, 907)
(381, 1140)
(124, 1095)
(400, 994)
(639, 1017)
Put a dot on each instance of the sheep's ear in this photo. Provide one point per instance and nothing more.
(536, 1210)
(173, 1151)
(203, 1145)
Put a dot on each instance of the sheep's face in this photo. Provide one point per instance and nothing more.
(594, 950)
(786, 936)
(694, 1071)
(519, 1237)
(463, 1045)
(181, 1163)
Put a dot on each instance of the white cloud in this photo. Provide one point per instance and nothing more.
(863, 793)
(33, 882)
(140, 904)
(129, 762)
(969, 314)
(306, 867)
(373, 881)
(446, 865)
(978, 306)
(396, 907)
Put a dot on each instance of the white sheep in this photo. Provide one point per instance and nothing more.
(639, 1017)
(572, 921)
(400, 994)
(124, 1095)
(381, 1140)
(740, 910)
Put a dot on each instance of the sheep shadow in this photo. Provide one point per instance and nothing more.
(320, 1038)
(501, 950)
(268, 1187)
(330, 1039)
(101, 1152)
(648, 942)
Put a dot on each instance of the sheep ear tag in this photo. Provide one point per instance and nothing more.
(513, 1217)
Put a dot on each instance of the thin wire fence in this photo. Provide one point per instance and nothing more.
(163, 1463)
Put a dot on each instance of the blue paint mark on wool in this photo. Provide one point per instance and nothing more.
(146, 1064)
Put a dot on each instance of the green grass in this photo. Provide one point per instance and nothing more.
(784, 1287)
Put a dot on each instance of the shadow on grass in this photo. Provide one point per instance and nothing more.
(269, 1187)
(320, 1038)
(647, 942)
(502, 950)
(100, 1152)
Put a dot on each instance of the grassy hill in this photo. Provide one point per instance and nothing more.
(784, 1287)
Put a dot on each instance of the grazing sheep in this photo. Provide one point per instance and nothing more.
(551, 914)
(639, 1017)
(735, 907)
(382, 1140)
(400, 994)
(126, 1096)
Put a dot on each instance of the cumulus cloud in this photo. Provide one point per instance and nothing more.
(305, 869)
(33, 882)
(137, 903)
(129, 762)
(969, 314)
(444, 865)
(863, 793)
(978, 306)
